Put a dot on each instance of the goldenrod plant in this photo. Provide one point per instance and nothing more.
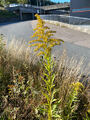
(73, 107)
(87, 116)
(71, 104)
(44, 44)
(44, 41)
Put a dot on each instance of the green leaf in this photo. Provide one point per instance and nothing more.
(47, 67)
(46, 96)
(52, 86)
(54, 100)
(56, 116)
(47, 84)
(48, 77)
(53, 78)
(54, 92)
(42, 109)
(54, 107)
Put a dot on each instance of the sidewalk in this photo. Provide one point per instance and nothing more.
(72, 36)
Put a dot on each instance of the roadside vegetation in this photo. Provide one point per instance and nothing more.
(32, 2)
(35, 86)
(6, 14)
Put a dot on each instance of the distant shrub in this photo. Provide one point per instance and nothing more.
(7, 14)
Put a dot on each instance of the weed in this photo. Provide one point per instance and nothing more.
(45, 43)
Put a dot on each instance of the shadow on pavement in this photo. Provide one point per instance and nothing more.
(13, 22)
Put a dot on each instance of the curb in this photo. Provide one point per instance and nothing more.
(74, 27)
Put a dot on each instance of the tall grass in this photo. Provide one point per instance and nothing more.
(70, 71)
(18, 64)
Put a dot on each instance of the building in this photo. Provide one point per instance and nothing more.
(62, 8)
(80, 8)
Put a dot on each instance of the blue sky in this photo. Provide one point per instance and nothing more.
(61, 0)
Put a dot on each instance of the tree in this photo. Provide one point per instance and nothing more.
(32, 2)
(7, 2)
(4, 2)
(22, 1)
(43, 2)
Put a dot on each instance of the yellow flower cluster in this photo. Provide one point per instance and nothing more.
(78, 86)
(44, 41)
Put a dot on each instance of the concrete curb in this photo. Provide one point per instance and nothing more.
(74, 27)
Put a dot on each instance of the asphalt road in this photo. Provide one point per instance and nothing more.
(74, 47)
(18, 31)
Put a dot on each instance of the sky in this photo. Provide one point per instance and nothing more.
(61, 0)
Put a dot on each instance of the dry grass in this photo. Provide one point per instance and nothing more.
(20, 50)
(69, 71)
(19, 57)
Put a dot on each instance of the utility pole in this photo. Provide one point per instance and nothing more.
(37, 3)
(29, 2)
(40, 6)
(44, 5)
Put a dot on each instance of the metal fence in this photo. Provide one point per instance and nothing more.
(67, 19)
